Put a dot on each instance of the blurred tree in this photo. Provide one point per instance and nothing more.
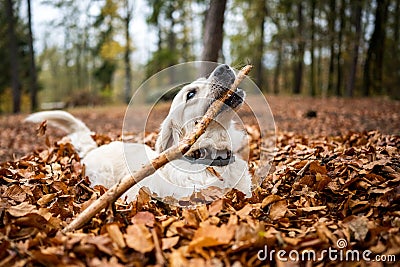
(332, 40)
(52, 74)
(313, 4)
(75, 57)
(392, 55)
(258, 63)
(247, 43)
(107, 48)
(281, 17)
(356, 12)
(279, 59)
(172, 22)
(128, 10)
(340, 45)
(32, 66)
(13, 57)
(298, 53)
(373, 67)
(4, 55)
(213, 33)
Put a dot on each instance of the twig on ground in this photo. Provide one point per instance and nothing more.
(168, 155)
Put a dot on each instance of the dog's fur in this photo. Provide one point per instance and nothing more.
(108, 164)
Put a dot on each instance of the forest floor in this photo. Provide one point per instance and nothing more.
(334, 116)
(334, 187)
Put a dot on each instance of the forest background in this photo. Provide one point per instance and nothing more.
(88, 53)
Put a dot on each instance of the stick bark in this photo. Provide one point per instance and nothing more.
(168, 155)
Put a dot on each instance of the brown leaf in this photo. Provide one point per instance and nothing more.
(216, 207)
(190, 217)
(42, 128)
(359, 227)
(244, 212)
(46, 199)
(144, 217)
(169, 242)
(315, 168)
(270, 199)
(139, 238)
(311, 209)
(210, 235)
(32, 220)
(102, 242)
(16, 193)
(278, 210)
(21, 210)
(115, 233)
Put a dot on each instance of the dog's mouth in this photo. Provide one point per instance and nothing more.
(211, 157)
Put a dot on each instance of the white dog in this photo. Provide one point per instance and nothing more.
(108, 164)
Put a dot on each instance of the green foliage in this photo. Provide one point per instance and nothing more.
(160, 59)
(104, 74)
(247, 35)
(107, 48)
(172, 19)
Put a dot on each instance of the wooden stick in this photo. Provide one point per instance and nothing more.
(168, 155)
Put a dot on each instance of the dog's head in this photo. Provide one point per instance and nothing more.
(189, 106)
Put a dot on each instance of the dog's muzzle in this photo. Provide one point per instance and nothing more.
(210, 157)
(221, 80)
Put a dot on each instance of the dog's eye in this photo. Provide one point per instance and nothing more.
(190, 94)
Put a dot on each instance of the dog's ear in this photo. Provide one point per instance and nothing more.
(168, 136)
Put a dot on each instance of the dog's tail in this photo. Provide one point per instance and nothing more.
(77, 131)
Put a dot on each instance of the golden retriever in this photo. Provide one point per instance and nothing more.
(216, 148)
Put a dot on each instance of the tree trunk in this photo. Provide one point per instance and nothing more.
(14, 60)
(258, 63)
(127, 61)
(320, 68)
(356, 16)
(298, 73)
(68, 86)
(374, 61)
(278, 68)
(32, 67)
(396, 26)
(338, 91)
(312, 48)
(78, 64)
(393, 90)
(213, 33)
(171, 44)
(331, 22)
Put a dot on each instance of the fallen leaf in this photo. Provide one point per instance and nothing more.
(46, 199)
(310, 209)
(115, 233)
(359, 227)
(139, 238)
(21, 210)
(210, 235)
(278, 210)
(169, 242)
(270, 199)
(144, 217)
(16, 193)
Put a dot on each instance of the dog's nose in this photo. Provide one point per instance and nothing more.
(221, 69)
(224, 73)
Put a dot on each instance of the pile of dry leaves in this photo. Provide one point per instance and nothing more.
(329, 199)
